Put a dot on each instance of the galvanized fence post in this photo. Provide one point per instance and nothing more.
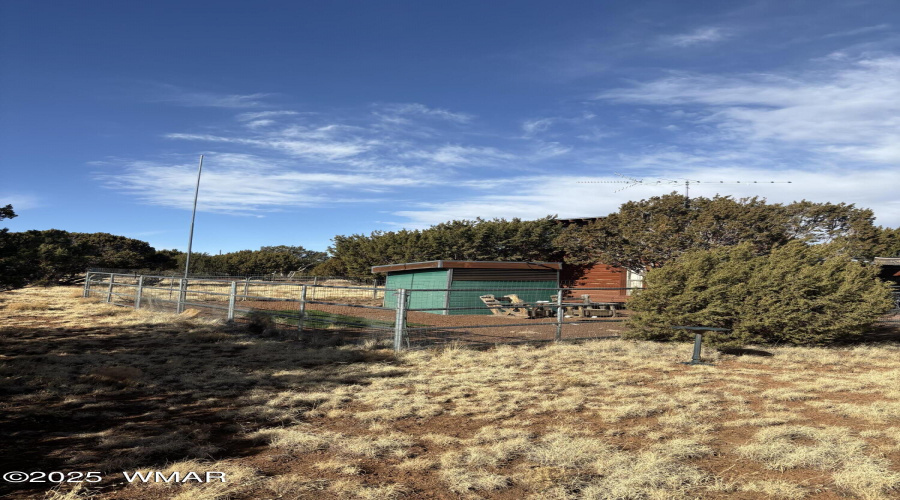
(112, 280)
(138, 292)
(302, 314)
(246, 288)
(231, 297)
(400, 321)
(87, 285)
(559, 314)
(182, 292)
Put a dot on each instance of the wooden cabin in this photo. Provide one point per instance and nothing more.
(598, 275)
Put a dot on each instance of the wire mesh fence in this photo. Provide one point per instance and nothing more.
(401, 318)
(504, 313)
(286, 306)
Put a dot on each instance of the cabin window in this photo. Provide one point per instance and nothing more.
(633, 280)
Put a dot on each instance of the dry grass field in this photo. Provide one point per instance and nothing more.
(92, 387)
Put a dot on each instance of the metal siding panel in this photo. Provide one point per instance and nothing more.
(431, 279)
(396, 281)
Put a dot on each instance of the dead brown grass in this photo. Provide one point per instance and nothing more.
(123, 390)
(28, 306)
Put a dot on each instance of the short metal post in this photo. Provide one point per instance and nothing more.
(246, 288)
(182, 292)
(138, 292)
(400, 322)
(112, 280)
(698, 341)
(559, 314)
(231, 296)
(87, 285)
(374, 289)
(302, 314)
(315, 280)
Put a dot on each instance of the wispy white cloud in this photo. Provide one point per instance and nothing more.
(538, 196)
(297, 147)
(20, 201)
(531, 127)
(460, 155)
(259, 115)
(183, 97)
(852, 110)
(705, 35)
(859, 31)
(820, 128)
(398, 110)
(260, 123)
(276, 159)
(247, 184)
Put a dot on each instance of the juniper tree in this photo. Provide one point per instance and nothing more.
(796, 294)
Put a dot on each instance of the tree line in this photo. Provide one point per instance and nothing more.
(650, 233)
(54, 256)
(641, 235)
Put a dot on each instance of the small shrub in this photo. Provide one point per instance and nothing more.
(260, 323)
(798, 294)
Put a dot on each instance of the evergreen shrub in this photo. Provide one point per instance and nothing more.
(797, 294)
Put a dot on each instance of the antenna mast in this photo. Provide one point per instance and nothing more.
(687, 183)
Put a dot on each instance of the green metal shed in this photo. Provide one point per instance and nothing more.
(454, 286)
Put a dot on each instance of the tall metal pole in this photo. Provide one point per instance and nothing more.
(187, 262)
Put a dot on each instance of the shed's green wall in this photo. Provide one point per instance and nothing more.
(418, 280)
(466, 293)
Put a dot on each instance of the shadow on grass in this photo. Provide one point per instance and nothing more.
(112, 399)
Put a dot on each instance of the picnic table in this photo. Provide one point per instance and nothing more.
(511, 305)
(584, 309)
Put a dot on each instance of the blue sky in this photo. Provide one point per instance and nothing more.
(325, 118)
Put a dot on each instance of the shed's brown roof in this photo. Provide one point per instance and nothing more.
(466, 264)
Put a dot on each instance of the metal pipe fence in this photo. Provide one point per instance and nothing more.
(506, 313)
(402, 318)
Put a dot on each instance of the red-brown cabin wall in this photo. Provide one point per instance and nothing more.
(598, 275)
